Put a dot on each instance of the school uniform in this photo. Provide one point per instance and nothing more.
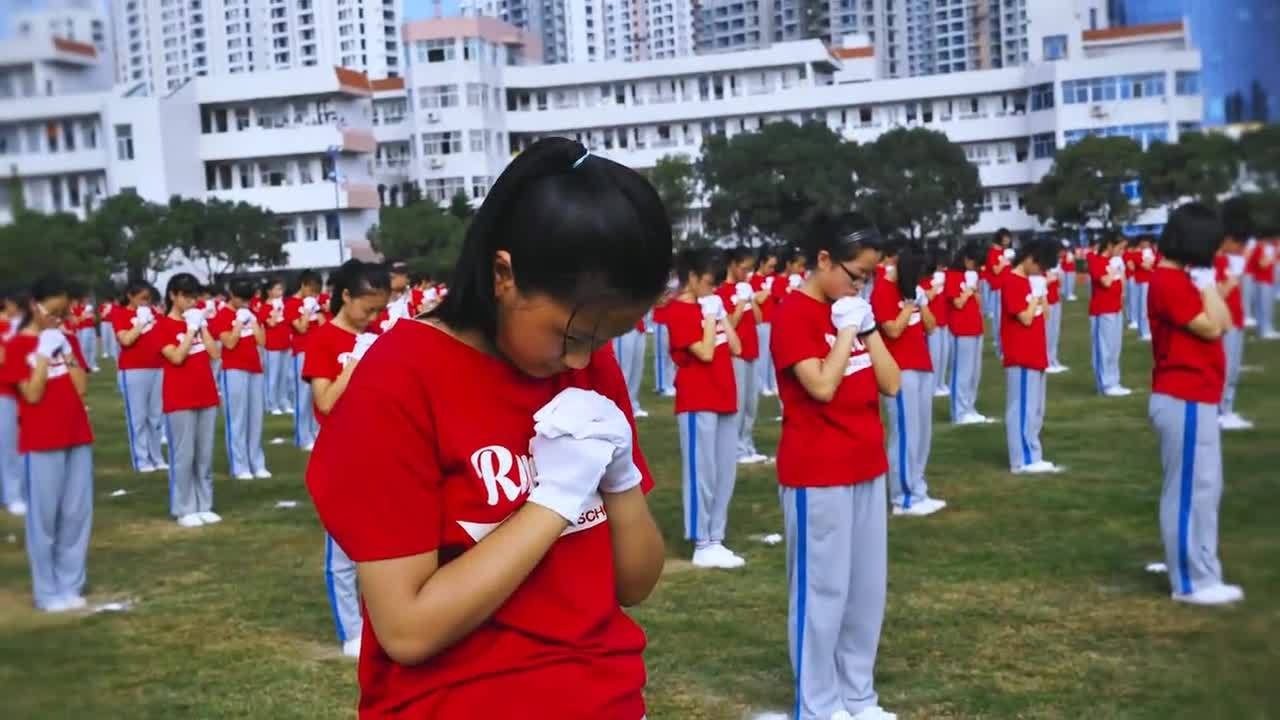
(1130, 259)
(278, 352)
(630, 350)
(966, 347)
(831, 473)
(745, 372)
(86, 331)
(328, 352)
(664, 368)
(1261, 267)
(1025, 359)
(1227, 267)
(990, 282)
(940, 339)
(12, 469)
(1186, 387)
(243, 397)
(706, 415)
(304, 423)
(108, 346)
(766, 382)
(141, 386)
(997, 316)
(444, 429)
(909, 414)
(1053, 318)
(191, 417)
(1106, 325)
(1067, 264)
(56, 442)
(1142, 289)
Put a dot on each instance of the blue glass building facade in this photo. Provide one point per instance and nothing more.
(1239, 43)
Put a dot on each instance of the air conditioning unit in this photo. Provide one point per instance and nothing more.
(433, 117)
(1097, 111)
(436, 163)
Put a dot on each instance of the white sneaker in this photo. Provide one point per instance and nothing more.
(875, 713)
(1043, 467)
(1133, 326)
(669, 393)
(768, 393)
(1213, 595)
(1273, 335)
(715, 556)
(1230, 421)
(308, 447)
(209, 518)
(920, 508)
(1145, 338)
(244, 476)
(144, 469)
(942, 392)
(263, 474)
(736, 557)
(75, 602)
(288, 411)
(1056, 369)
(162, 465)
(751, 459)
(1250, 322)
(190, 521)
(351, 648)
(1117, 391)
(974, 419)
(277, 412)
(17, 507)
(640, 413)
(57, 605)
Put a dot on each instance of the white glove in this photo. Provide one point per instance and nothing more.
(1148, 255)
(244, 316)
(890, 272)
(971, 279)
(742, 292)
(768, 284)
(1116, 266)
(1039, 286)
(1235, 265)
(311, 305)
(939, 281)
(1269, 251)
(364, 341)
(278, 304)
(584, 415)
(1204, 278)
(431, 295)
(795, 280)
(51, 343)
(1009, 254)
(853, 312)
(922, 297)
(398, 310)
(144, 316)
(712, 306)
(194, 318)
(567, 472)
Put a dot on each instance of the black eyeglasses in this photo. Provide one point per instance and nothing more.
(852, 278)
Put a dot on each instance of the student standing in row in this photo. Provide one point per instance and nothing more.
(1188, 319)
(360, 294)
(1262, 269)
(1025, 301)
(762, 281)
(742, 304)
(703, 345)
(832, 367)
(141, 379)
(1230, 264)
(190, 402)
(966, 328)
(664, 368)
(12, 468)
(243, 395)
(1053, 316)
(278, 346)
(1144, 263)
(1106, 325)
(86, 328)
(1067, 266)
(901, 309)
(303, 313)
(935, 282)
(107, 345)
(630, 349)
(57, 441)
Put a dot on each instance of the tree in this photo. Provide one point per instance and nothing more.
(1086, 183)
(127, 233)
(675, 179)
(223, 236)
(762, 184)
(919, 183)
(420, 234)
(1200, 167)
(35, 244)
(1261, 151)
(460, 205)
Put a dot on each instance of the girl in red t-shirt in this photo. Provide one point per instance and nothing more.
(12, 474)
(1144, 263)
(358, 296)
(1067, 265)
(1024, 301)
(832, 368)
(1106, 321)
(86, 328)
(1230, 264)
(703, 345)
(934, 282)
(1262, 270)
(279, 384)
(241, 337)
(107, 345)
(966, 327)
(141, 380)
(762, 281)
(742, 304)
(190, 401)
(55, 437)
(1189, 318)
(664, 368)
(481, 468)
(902, 310)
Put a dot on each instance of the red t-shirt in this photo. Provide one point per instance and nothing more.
(1265, 275)
(7, 388)
(761, 283)
(141, 355)
(994, 254)
(1234, 300)
(911, 348)
(824, 444)
(746, 327)
(939, 305)
(700, 386)
(104, 312)
(1140, 273)
(244, 356)
(59, 420)
(1067, 261)
(188, 386)
(1054, 280)
(327, 353)
(1104, 300)
(781, 288)
(292, 311)
(1024, 345)
(280, 335)
(439, 435)
(1186, 367)
(965, 321)
(82, 316)
(660, 314)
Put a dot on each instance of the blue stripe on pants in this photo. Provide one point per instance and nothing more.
(657, 354)
(802, 581)
(1189, 424)
(168, 431)
(1095, 321)
(693, 476)
(333, 593)
(902, 451)
(955, 353)
(297, 406)
(226, 419)
(1022, 418)
(128, 417)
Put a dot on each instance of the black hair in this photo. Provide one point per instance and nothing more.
(133, 288)
(789, 254)
(357, 278)
(910, 268)
(398, 268)
(1237, 218)
(842, 235)
(418, 278)
(1192, 235)
(1044, 251)
(1000, 235)
(182, 284)
(309, 278)
(738, 253)
(1108, 240)
(972, 251)
(578, 227)
(768, 251)
(698, 262)
(243, 289)
(48, 286)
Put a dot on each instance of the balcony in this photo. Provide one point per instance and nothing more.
(304, 139)
(59, 163)
(312, 197)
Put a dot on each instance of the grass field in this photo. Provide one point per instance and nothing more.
(1025, 598)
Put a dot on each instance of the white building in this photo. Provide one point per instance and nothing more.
(82, 21)
(577, 31)
(164, 43)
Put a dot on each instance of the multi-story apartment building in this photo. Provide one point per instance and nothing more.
(82, 21)
(164, 43)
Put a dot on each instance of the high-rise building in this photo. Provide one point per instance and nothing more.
(164, 43)
(77, 20)
(574, 31)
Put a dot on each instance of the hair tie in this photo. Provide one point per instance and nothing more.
(586, 154)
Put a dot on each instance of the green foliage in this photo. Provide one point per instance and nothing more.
(919, 183)
(223, 236)
(420, 234)
(460, 205)
(36, 244)
(1261, 151)
(675, 178)
(128, 233)
(1086, 183)
(1200, 167)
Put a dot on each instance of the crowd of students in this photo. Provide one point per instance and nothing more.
(470, 463)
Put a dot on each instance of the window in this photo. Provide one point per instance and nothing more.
(434, 51)
(442, 143)
(438, 96)
(1144, 134)
(124, 142)
(1113, 88)
(332, 229)
(479, 186)
(1187, 83)
(1043, 146)
(477, 141)
(1055, 47)
(1042, 96)
(477, 95)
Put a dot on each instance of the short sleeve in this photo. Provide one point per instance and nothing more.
(685, 331)
(1097, 268)
(15, 368)
(884, 302)
(795, 340)
(375, 475)
(120, 323)
(605, 377)
(725, 293)
(1014, 300)
(220, 324)
(1183, 302)
(321, 361)
(292, 311)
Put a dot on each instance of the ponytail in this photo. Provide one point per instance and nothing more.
(356, 279)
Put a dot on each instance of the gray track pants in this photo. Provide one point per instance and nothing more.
(910, 425)
(1053, 332)
(709, 449)
(1069, 285)
(630, 351)
(1264, 299)
(1108, 333)
(242, 399)
(664, 368)
(1233, 344)
(745, 374)
(940, 343)
(766, 378)
(837, 576)
(59, 519)
(108, 345)
(279, 380)
(966, 373)
(305, 426)
(13, 473)
(191, 460)
(1024, 415)
(88, 338)
(143, 415)
(1191, 455)
(344, 596)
